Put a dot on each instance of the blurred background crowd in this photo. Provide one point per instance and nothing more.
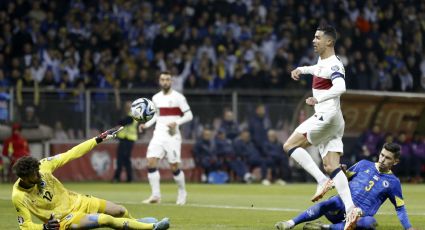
(76, 45)
(207, 44)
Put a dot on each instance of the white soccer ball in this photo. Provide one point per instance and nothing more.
(142, 110)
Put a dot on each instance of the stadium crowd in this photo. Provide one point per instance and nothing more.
(206, 44)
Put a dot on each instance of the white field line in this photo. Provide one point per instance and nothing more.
(243, 207)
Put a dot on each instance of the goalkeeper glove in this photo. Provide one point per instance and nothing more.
(108, 134)
(52, 223)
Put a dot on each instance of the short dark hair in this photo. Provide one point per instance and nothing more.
(165, 73)
(26, 166)
(394, 148)
(328, 30)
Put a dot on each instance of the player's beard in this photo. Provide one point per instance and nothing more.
(166, 89)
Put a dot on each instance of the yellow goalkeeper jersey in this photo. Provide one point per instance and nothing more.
(50, 196)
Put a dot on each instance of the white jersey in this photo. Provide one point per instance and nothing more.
(328, 83)
(170, 108)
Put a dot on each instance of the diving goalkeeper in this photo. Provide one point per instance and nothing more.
(39, 193)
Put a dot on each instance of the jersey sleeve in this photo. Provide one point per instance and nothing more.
(396, 198)
(308, 69)
(354, 169)
(184, 106)
(24, 215)
(337, 76)
(50, 164)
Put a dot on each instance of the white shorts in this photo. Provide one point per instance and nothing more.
(165, 146)
(324, 130)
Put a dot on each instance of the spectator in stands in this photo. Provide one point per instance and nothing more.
(258, 125)
(418, 155)
(246, 150)
(14, 147)
(369, 142)
(229, 124)
(280, 162)
(204, 154)
(405, 168)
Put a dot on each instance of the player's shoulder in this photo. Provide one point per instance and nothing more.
(17, 194)
(335, 64)
(156, 95)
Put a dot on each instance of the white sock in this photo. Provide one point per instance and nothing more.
(154, 178)
(179, 179)
(291, 223)
(302, 157)
(341, 185)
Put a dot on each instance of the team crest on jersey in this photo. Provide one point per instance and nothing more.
(20, 220)
(385, 183)
(335, 68)
(43, 184)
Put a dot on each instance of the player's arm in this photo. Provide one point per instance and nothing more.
(396, 199)
(150, 122)
(307, 69)
(338, 88)
(24, 215)
(187, 113)
(52, 163)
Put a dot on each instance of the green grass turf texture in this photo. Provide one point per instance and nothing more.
(230, 206)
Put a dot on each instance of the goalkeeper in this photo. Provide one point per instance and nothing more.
(39, 193)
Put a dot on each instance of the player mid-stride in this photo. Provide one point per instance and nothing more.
(326, 127)
(172, 111)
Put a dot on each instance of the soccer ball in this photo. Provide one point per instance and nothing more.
(142, 110)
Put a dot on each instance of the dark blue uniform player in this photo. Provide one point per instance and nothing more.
(371, 184)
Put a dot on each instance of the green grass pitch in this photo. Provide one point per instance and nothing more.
(233, 206)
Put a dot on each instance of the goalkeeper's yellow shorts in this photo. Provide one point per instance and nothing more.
(88, 205)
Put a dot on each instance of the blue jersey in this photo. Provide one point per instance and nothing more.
(370, 188)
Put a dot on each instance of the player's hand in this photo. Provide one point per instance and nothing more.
(295, 74)
(172, 128)
(52, 223)
(108, 134)
(311, 101)
(141, 128)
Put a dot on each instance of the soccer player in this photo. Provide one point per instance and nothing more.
(326, 127)
(172, 111)
(39, 193)
(371, 185)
